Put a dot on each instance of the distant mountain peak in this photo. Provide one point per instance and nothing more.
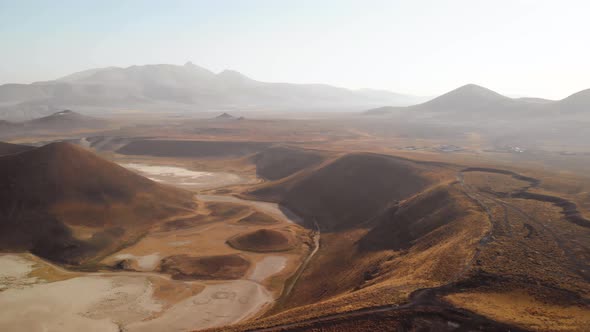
(468, 95)
(472, 86)
(225, 116)
(475, 89)
(64, 112)
(62, 115)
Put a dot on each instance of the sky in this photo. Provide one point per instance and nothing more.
(420, 47)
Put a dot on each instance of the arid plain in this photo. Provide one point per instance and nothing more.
(307, 222)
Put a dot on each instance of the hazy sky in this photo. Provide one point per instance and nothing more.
(516, 47)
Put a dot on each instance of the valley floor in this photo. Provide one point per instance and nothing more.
(36, 295)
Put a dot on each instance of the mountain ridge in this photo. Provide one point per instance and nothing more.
(183, 88)
(470, 99)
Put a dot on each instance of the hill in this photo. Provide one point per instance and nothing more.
(349, 190)
(65, 119)
(577, 103)
(225, 116)
(263, 240)
(181, 88)
(474, 103)
(64, 203)
(476, 246)
(55, 123)
(8, 148)
(388, 226)
(278, 162)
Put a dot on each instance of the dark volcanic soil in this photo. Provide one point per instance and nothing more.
(8, 148)
(262, 240)
(194, 149)
(209, 267)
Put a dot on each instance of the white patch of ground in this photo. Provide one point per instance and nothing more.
(183, 177)
(268, 266)
(80, 304)
(272, 209)
(167, 171)
(144, 263)
(14, 270)
(121, 300)
(217, 305)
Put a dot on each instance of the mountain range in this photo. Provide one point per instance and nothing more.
(474, 102)
(179, 88)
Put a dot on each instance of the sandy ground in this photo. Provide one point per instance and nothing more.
(110, 301)
(185, 178)
(127, 300)
(89, 303)
(14, 271)
(272, 209)
(268, 266)
(217, 305)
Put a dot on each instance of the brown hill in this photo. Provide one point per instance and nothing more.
(64, 203)
(399, 227)
(66, 119)
(262, 240)
(348, 191)
(8, 148)
(385, 222)
(278, 162)
(210, 267)
(258, 218)
(424, 241)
